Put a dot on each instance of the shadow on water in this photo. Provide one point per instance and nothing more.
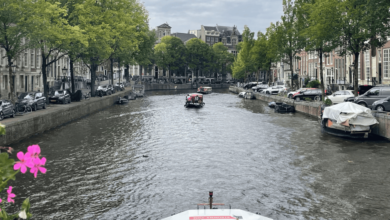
(280, 165)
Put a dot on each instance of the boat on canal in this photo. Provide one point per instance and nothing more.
(347, 120)
(216, 214)
(194, 100)
(205, 90)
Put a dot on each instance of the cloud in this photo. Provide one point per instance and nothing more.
(184, 15)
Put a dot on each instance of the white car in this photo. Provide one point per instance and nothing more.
(339, 96)
(259, 87)
(275, 89)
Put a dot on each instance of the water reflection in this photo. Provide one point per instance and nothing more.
(280, 165)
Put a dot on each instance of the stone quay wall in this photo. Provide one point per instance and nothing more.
(314, 109)
(55, 115)
(155, 86)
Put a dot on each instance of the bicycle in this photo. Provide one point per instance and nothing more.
(23, 109)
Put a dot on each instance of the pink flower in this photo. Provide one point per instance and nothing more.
(37, 166)
(34, 150)
(10, 195)
(25, 161)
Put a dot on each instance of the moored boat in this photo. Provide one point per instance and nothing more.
(194, 100)
(205, 90)
(347, 120)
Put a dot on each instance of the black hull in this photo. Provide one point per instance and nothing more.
(346, 134)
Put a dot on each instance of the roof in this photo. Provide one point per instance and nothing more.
(165, 25)
(183, 36)
(209, 28)
(227, 28)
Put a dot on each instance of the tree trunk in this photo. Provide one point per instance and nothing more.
(140, 72)
(355, 75)
(44, 75)
(185, 73)
(93, 78)
(11, 81)
(292, 73)
(112, 70)
(72, 75)
(321, 75)
(119, 70)
(127, 75)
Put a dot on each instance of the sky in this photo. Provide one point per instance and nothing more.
(184, 15)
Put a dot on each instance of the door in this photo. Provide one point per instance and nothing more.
(25, 83)
(39, 99)
(32, 83)
(372, 96)
(6, 108)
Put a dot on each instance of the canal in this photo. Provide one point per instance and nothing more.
(153, 158)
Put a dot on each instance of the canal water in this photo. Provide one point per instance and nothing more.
(153, 158)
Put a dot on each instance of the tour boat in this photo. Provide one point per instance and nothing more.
(347, 120)
(205, 90)
(215, 214)
(194, 100)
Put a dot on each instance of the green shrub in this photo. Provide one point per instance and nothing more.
(328, 102)
(308, 99)
(307, 80)
(314, 84)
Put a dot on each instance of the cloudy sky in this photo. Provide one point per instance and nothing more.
(184, 15)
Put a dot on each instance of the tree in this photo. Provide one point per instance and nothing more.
(363, 25)
(170, 53)
(245, 62)
(13, 31)
(223, 58)
(197, 55)
(319, 22)
(56, 38)
(289, 40)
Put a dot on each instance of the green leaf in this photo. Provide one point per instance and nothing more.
(6, 167)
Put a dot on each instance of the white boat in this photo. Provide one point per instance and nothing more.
(241, 94)
(348, 120)
(205, 90)
(215, 214)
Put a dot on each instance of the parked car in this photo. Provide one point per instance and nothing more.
(340, 96)
(105, 90)
(260, 87)
(361, 89)
(275, 90)
(313, 94)
(34, 100)
(372, 95)
(250, 85)
(218, 81)
(382, 104)
(120, 86)
(229, 81)
(6, 109)
(60, 96)
(291, 94)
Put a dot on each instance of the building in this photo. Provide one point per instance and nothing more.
(229, 36)
(184, 37)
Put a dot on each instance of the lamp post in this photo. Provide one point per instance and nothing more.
(64, 72)
(315, 64)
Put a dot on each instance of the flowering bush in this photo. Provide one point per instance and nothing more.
(8, 170)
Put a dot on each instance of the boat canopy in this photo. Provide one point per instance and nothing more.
(216, 214)
(350, 113)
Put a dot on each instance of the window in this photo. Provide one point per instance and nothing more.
(212, 40)
(373, 92)
(25, 58)
(207, 38)
(331, 58)
(385, 92)
(32, 59)
(367, 63)
(379, 56)
(233, 41)
(386, 63)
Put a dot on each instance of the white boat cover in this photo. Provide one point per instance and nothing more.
(351, 113)
(216, 214)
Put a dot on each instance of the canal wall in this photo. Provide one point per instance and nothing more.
(55, 115)
(314, 109)
(151, 87)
